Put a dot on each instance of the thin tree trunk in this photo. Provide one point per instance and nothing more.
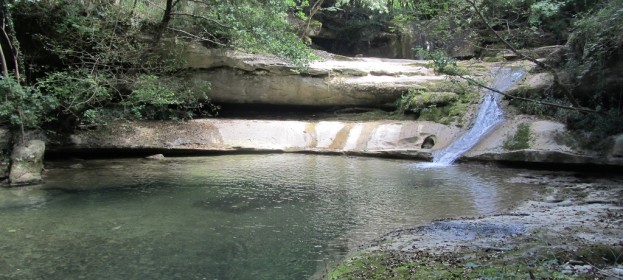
(7, 23)
(5, 69)
(314, 9)
(164, 23)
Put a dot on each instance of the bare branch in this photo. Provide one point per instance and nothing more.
(197, 37)
(204, 18)
(479, 84)
(566, 91)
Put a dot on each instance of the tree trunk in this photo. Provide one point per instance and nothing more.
(314, 9)
(166, 18)
(8, 33)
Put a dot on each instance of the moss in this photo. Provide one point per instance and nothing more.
(522, 138)
(600, 255)
(426, 99)
(467, 265)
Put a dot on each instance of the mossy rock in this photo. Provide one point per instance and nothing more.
(521, 140)
(427, 99)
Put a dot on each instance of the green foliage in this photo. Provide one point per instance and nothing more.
(404, 103)
(77, 90)
(423, 265)
(442, 62)
(90, 62)
(374, 5)
(155, 97)
(441, 107)
(522, 138)
(596, 38)
(255, 26)
(24, 107)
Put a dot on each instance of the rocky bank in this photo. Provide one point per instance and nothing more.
(571, 230)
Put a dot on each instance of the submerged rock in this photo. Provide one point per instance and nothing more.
(27, 163)
(22, 197)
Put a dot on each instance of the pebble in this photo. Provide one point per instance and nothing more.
(156, 157)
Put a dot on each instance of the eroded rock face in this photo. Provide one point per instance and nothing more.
(243, 78)
(27, 162)
(416, 139)
(546, 145)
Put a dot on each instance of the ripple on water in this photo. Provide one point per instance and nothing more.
(228, 217)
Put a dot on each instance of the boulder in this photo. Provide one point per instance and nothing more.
(549, 144)
(533, 85)
(27, 162)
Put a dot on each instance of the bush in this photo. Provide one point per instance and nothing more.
(24, 107)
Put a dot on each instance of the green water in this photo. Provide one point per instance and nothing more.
(282, 216)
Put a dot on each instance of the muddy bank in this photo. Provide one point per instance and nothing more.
(572, 229)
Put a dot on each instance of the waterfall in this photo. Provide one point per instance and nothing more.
(489, 115)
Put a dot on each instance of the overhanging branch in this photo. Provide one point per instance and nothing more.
(557, 81)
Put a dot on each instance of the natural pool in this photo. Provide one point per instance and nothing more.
(277, 216)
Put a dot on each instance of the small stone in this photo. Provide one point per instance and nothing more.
(156, 157)
(76, 166)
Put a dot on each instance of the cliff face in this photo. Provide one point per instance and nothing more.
(239, 78)
(340, 81)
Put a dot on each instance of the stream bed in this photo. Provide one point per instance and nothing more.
(276, 216)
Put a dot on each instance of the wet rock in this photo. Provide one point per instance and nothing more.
(76, 166)
(156, 157)
(27, 163)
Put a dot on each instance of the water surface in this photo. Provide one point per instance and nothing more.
(281, 216)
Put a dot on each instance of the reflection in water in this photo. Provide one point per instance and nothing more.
(228, 217)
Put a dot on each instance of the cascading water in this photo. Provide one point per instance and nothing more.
(489, 115)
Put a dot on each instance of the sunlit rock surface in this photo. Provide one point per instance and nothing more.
(550, 142)
(337, 81)
(408, 138)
